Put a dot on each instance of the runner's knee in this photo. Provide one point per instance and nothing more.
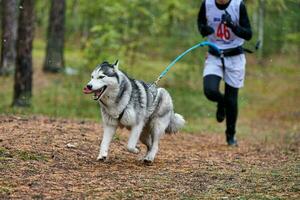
(211, 94)
(211, 87)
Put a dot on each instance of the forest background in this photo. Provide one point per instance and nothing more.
(146, 36)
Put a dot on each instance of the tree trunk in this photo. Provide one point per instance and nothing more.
(23, 74)
(54, 61)
(261, 13)
(9, 36)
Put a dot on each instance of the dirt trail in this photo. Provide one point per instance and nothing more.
(35, 162)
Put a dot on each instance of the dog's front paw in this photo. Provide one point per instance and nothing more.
(148, 159)
(133, 150)
(101, 158)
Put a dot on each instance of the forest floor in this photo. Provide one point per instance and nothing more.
(47, 158)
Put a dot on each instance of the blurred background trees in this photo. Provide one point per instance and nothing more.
(106, 29)
(72, 36)
(23, 72)
(9, 36)
(54, 60)
(276, 22)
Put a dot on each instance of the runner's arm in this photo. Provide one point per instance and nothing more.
(203, 28)
(243, 29)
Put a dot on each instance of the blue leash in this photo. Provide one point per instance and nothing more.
(201, 44)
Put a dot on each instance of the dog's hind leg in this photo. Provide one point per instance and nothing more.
(108, 134)
(159, 126)
(155, 137)
(146, 138)
(134, 137)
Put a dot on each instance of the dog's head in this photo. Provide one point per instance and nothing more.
(103, 78)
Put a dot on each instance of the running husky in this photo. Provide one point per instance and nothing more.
(141, 107)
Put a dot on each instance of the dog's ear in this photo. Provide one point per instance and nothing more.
(116, 65)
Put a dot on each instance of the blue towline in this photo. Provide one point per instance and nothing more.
(201, 44)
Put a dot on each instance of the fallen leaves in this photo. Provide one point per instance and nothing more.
(52, 158)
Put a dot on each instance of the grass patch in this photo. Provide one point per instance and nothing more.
(4, 190)
(4, 154)
(23, 155)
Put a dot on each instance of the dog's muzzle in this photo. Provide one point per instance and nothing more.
(97, 93)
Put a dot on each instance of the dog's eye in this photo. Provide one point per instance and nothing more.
(101, 77)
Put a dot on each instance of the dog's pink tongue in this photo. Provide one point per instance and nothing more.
(98, 93)
(87, 90)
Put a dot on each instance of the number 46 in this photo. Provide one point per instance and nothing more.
(223, 31)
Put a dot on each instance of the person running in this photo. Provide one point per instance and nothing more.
(226, 24)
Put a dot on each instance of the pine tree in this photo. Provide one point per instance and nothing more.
(23, 74)
(9, 36)
(54, 61)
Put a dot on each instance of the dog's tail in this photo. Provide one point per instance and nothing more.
(176, 123)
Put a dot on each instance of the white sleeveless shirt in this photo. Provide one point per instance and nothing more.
(223, 37)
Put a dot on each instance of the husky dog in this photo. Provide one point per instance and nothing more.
(143, 108)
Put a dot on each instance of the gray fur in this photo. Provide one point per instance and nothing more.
(143, 108)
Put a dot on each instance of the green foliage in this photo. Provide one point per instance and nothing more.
(281, 25)
(110, 29)
(293, 37)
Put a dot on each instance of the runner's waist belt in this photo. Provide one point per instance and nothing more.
(227, 52)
